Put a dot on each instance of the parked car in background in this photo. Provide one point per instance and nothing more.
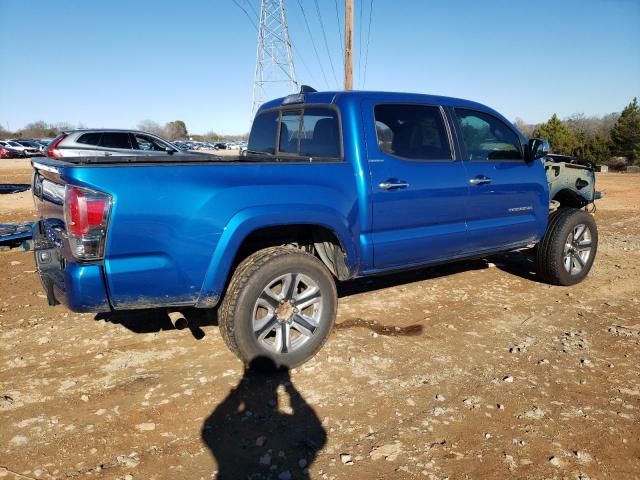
(105, 142)
(220, 146)
(6, 152)
(15, 152)
(31, 147)
(17, 146)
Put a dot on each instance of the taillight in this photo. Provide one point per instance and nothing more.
(86, 215)
(52, 151)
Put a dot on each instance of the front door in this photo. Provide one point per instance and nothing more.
(507, 198)
(419, 189)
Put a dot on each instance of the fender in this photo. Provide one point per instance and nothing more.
(246, 221)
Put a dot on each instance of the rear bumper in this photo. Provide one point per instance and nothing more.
(80, 287)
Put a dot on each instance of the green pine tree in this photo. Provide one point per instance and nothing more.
(562, 139)
(625, 134)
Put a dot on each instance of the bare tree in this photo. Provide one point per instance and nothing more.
(151, 127)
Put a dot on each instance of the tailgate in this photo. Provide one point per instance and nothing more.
(48, 192)
(78, 285)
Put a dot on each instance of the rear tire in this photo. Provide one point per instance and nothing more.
(281, 304)
(567, 251)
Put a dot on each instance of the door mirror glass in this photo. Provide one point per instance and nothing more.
(538, 148)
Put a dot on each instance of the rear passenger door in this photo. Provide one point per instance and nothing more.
(419, 188)
(507, 199)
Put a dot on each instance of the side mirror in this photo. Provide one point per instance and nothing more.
(538, 148)
(170, 150)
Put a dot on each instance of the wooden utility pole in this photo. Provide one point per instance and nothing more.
(348, 45)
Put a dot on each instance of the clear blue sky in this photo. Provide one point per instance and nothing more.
(115, 63)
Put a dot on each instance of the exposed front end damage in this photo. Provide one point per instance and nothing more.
(572, 182)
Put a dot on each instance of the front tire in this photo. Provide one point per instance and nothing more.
(568, 249)
(281, 304)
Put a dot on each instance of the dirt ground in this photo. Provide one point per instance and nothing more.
(473, 370)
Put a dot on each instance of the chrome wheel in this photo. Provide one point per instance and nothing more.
(577, 249)
(287, 313)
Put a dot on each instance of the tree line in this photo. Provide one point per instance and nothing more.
(612, 139)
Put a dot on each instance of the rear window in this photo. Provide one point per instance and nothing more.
(415, 132)
(312, 132)
(90, 138)
(263, 133)
(115, 140)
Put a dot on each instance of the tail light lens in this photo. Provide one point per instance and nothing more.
(86, 214)
(52, 151)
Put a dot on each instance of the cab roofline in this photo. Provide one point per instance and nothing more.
(333, 96)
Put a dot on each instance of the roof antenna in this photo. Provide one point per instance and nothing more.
(307, 89)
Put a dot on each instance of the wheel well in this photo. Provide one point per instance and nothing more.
(569, 198)
(314, 239)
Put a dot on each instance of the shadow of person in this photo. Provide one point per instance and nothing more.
(264, 429)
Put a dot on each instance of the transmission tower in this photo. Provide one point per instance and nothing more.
(274, 62)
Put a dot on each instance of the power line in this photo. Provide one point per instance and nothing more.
(366, 55)
(253, 8)
(315, 49)
(326, 44)
(246, 13)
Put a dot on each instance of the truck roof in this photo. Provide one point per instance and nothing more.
(356, 95)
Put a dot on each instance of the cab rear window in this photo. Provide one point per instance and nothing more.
(297, 134)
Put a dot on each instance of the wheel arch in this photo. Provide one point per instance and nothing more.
(569, 198)
(252, 229)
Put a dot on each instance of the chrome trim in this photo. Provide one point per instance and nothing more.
(44, 168)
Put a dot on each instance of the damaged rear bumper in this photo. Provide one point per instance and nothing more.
(78, 286)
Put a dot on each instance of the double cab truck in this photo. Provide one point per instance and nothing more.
(333, 186)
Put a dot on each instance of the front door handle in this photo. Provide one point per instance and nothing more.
(393, 184)
(481, 180)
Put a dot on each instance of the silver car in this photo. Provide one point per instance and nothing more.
(107, 142)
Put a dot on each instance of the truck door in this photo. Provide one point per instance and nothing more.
(507, 197)
(418, 187)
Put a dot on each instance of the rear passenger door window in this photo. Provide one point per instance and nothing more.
(115, 140)
(413, 132)
(486, 137)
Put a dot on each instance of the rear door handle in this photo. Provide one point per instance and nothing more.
(393, 184)
(480, 180)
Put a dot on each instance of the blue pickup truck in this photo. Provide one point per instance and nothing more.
(333, 186)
